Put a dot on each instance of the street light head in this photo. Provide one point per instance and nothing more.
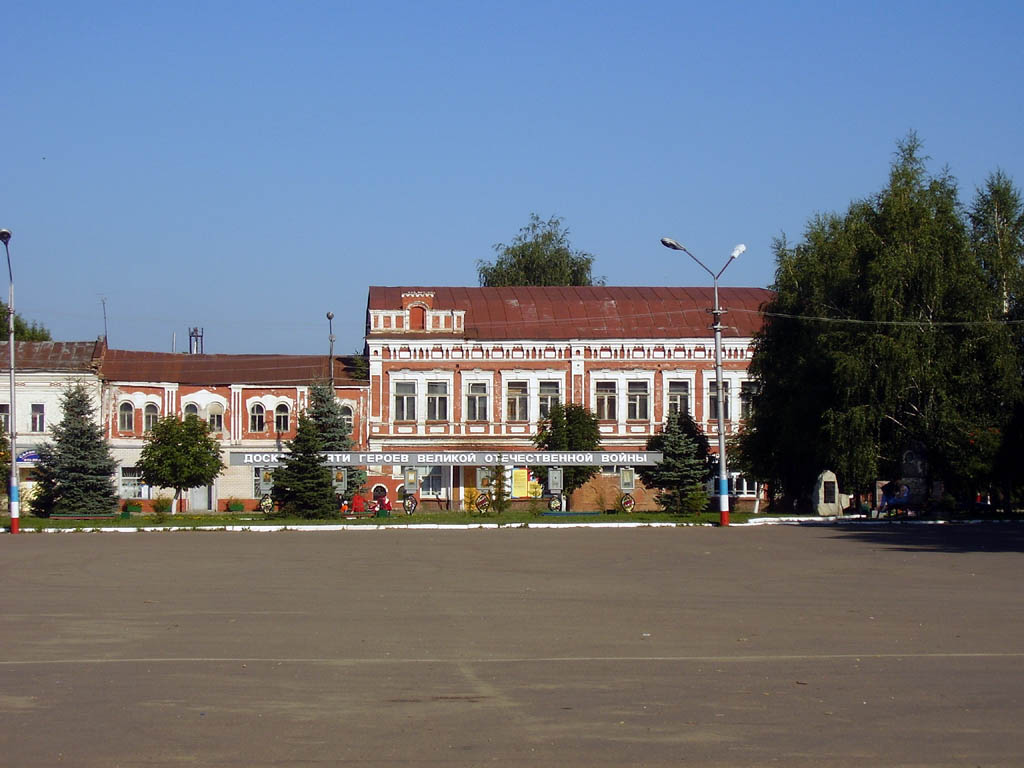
(5, 236)
(737, 250)
(668, 242)
(330, 315)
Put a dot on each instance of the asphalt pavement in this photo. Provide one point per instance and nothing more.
(796, 646)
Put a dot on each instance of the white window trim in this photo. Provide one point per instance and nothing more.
(420, 379)
(733, 379)
(622, 379)
(533, 378)
(672, 376)
(485, 378)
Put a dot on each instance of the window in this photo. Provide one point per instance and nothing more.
(125, 417)
(191, 409)
(437, 401)
(405, 401)
(256, 418)
(713, 401)
(678, 397)
(476, 401)
(132, 485)
(216, 416)
(346, 416)
(5, 416)
(431, 484)
(747, 391)
(636, 400)
(606, 408)
(281, 418)
(548, 397)
(38, 417)
(150, 415)
(517, 401)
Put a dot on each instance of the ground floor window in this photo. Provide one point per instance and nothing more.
(432, 484)
(132, 484)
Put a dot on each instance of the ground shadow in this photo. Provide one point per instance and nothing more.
(950, 537)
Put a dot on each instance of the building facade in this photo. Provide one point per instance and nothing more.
(450, 371)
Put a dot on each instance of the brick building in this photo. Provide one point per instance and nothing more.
(450, 370)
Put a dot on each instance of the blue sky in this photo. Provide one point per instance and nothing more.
(246, 167)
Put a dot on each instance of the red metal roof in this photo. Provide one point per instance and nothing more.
(266, 370)
(53, 355)
(584, 312)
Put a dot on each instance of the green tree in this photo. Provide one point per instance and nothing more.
(684, 469)
(23, 330)
(180, 454)
(880, 339)
(540, 254)
(569, 428)
(302, 483)
(75, 471)
(334, 430)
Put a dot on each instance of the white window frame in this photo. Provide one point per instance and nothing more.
(282, 418)
(606, 400)
(437, 400)
(347, 416)
(257, 416)
(638, 401)
(408, 400)
(215, 418)
(520, 412)
(478, 400)
(37, 418)
(671, 397)
(5, 417)
(150, 416)
(126, 417)
(622, 378)
(548, 400)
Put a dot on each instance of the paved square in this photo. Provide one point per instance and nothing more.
(811, 646)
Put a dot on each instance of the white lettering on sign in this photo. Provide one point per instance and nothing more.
(623, 458)
(261, 458)
(384, 458)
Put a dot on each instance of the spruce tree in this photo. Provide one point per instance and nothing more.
(75, 471)
(684, 469)
(302, 484)
(334, 431)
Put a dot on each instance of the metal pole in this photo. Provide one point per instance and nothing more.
(723, 480)
(5, 236)
(330, 360)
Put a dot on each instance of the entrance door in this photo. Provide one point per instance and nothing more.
(200, 499)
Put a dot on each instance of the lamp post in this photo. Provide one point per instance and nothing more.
(717, 311)
(5, 237)
(330, 360)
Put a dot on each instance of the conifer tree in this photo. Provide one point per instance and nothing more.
(75, 471)
(684, 468)
(302, 484)
(334, 431)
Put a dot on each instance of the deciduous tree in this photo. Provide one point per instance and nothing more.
(569, 428)
(180, 454)
(540, 254)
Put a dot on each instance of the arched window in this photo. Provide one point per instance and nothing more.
(256, 418)
(126, 417)
(346, 416)
(150, 416)
(281, 418)
(216, 411)
(192, 410)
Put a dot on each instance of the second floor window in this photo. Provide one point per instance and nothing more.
(125, 418)
(346, 416)
(405, 401)
(678, 397)
(517, 401)
(257, 418)
(437, 401)
(191, 409)
(713, 401)
(747, 391)
(548, 397)
(476, 401)
(150, 415)
(38, 417)
(281, 418)
(5, 417)
(605, 400)
(216, 414)
(637, 400)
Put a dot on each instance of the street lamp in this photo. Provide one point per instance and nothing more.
(723, 480)
(5, 237)
(330, 361)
